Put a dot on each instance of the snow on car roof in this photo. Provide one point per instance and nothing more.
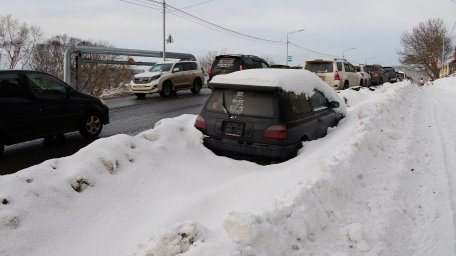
(299, 81)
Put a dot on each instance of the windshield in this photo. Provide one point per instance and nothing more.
(319, 67)
(241, 102)
(161, 67)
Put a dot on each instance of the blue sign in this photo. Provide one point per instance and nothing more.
(290, 58)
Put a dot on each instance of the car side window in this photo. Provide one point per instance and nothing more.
(42, 85)
(10, 87)
(319, 101)
(339, 66)
(264, 65)
(299, 103)
(180, 66)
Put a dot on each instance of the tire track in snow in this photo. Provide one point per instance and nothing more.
(443, 113)
(425, 205)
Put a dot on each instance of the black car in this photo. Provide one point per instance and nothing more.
(392, 75)
(38, 105)
(264, 123)
(224, 64)
(378, 74)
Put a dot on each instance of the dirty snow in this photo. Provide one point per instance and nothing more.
(381, 183)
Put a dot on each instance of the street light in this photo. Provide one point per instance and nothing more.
(365, 61)
(289, 33)
(346, 50)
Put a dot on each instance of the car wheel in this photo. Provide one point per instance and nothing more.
(140, 95)
(346, 85)
(166, 90)
(196, 86)
(361, 82)
(91, 125)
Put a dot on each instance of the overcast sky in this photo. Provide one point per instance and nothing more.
(373, 28)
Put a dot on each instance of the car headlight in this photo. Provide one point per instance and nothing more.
(154, 78)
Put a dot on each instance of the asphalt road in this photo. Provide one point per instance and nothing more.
(128, 115)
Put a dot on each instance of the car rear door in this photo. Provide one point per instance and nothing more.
(325, 116)
(19, 115)
(178, 77)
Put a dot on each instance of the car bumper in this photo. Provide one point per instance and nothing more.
(250, 151)
(144, 88)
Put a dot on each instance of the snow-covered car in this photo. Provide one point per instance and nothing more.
(266, 114)
(337, 73)
(365, 76)
(168, 77)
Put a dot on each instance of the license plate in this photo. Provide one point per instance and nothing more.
(233, 128)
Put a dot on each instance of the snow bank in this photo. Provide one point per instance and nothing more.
(378, 184)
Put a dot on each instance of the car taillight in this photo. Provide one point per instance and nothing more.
(276, 132)
(209, 71)
(336, 75)
(200, 123)
(241, 68)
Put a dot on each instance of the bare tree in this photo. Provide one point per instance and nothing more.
(48, 55)
(206, 60)
(17, 41)
(423, 46)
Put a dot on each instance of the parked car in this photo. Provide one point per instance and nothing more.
(392, 76)
(38, 105)
(166, 78)
(228, 63)
(378, 75)
(365, 76)
(266, 114)
(337, 73)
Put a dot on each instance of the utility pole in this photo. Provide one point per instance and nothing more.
(164, 32)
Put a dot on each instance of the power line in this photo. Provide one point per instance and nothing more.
(193, 5)
(139, 4)
(309, 50)
(187, 16)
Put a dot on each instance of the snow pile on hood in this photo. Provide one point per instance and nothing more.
(298, 81)
(355, 192)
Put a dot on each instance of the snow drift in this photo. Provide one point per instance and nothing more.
(381, 183)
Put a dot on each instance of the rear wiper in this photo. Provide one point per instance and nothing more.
(223, 105)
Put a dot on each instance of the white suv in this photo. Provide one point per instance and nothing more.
(338, 73)
(168, 77)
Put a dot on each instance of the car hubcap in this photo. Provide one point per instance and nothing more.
(93, 124)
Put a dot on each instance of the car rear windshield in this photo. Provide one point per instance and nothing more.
(242, 103)
(227, 64)
(319, 67)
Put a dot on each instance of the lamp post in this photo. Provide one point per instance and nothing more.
(346, 50)
(164, 32)
(365, 61)
(289, 33)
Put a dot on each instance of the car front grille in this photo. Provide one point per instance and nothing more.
(142, 80)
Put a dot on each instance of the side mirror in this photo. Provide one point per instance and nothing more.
(334, 104)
